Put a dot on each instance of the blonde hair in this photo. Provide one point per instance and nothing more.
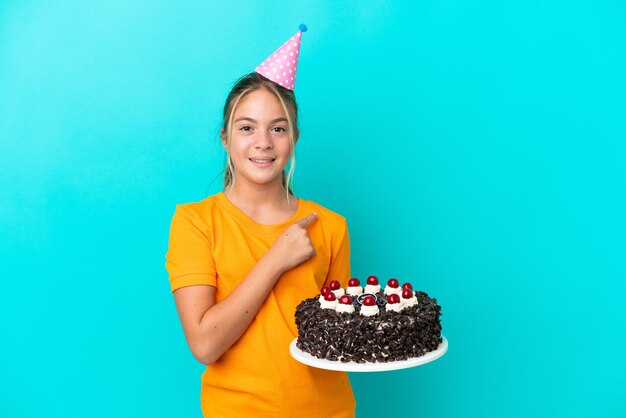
(245, 85)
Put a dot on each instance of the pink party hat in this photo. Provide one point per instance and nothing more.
(281, 66)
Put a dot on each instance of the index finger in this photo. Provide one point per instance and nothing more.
(307, 220)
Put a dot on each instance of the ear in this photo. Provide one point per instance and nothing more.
(223, 136)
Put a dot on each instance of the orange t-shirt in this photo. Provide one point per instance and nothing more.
(212, 242)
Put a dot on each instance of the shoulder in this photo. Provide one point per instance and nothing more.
(324, 214)
(197, 213)
(199, 208)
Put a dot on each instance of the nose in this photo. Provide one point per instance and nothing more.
(264, 141)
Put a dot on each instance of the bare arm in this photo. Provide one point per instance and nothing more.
(211, 328)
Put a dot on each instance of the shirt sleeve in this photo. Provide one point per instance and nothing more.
(340, 256)
(189, 258)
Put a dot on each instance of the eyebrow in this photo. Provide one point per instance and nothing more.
(281, 119)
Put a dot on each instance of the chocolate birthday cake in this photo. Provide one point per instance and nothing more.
(368, 324)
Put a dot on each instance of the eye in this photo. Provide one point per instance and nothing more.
(246, 128)
(279, 129)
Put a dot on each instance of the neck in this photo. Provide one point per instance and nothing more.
(242, 194)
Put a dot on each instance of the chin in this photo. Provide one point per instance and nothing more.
(264, 180)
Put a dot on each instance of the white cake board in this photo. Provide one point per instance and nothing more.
(309, 360)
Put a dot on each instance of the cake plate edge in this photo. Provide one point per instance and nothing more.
(309, 360)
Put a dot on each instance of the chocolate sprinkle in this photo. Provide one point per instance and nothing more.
(388, 336)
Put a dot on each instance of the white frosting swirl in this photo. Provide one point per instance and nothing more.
(339, 292)
(369, 310)
(344, 308)
(407, 303)
(354, 290)
(372, 288)
(393, 290)
(328, 304)
(395, 307)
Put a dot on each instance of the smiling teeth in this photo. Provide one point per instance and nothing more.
(260, 161)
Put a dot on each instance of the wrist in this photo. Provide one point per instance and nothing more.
(272, 265)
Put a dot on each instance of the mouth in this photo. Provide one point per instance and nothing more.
(262, 162)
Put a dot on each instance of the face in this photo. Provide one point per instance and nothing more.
(260, 147)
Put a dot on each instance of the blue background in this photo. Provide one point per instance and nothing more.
(476, 148)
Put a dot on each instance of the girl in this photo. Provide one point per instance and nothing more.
(240, 262)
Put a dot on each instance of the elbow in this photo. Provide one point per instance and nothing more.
(204, 354)
(207, 360)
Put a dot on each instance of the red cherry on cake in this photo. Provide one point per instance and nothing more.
(334, 285)
(393, 298)
(369, 301)
(325, 290)
(372, 280)
(330, 296)
(407, 293)
(393, 283)
(407, 286)
(345, 300)
(354, 283)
